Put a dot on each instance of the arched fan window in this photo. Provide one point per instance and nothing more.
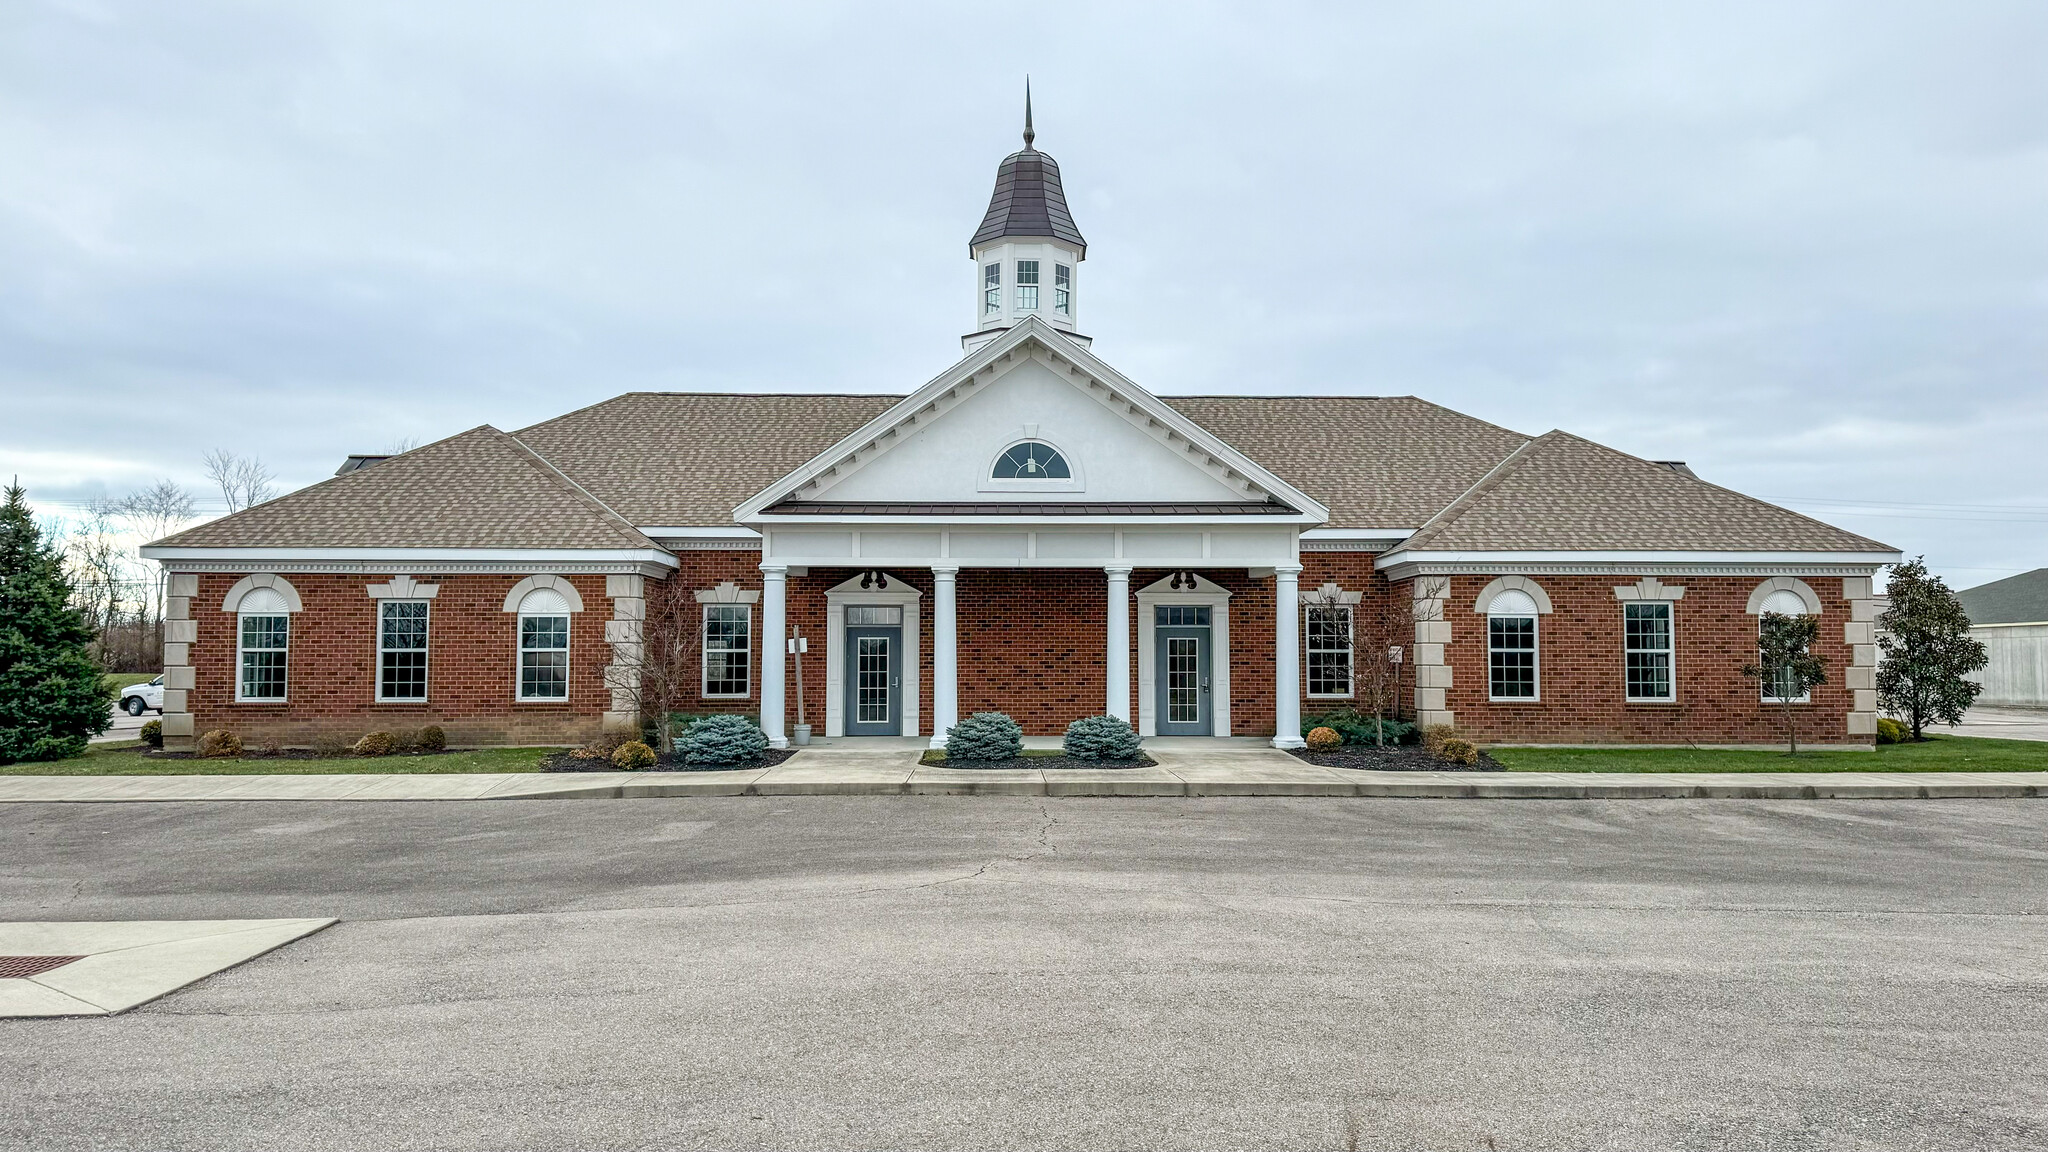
(1032, 460)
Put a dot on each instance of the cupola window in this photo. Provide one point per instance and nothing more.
(1062, 289)
(1027, 285)
(992, 288)
(1032, 460)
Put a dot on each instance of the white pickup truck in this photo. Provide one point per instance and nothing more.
(139, 698)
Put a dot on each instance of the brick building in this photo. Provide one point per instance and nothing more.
(1030, 532)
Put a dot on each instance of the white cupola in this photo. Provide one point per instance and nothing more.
(1027, 252)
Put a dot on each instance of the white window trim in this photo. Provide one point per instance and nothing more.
(704, 650)
(1037, 284)
(1350, 648)
(1757, 601)
(1671, 616)
(1535, 620)
(519, 651)
(377, 643)
(240, 650)
(1062, 294)
(987, 308)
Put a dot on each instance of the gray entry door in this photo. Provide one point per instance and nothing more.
(874, 681)
(1181, 675)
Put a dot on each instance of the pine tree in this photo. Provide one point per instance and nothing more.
(52, 697)
(1928, 650)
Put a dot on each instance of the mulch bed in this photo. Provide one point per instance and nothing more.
(1399, 758)
(286, 754)
(566, 761)
(1050, 762)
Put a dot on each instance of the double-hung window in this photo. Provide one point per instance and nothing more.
(543, 645)
(1062, 289)
(1328, 648)
(1027, 285)
(402, 650)
(263, 642)
(728, 630)
(992, 288)
(1647, 650)
(1511, 646)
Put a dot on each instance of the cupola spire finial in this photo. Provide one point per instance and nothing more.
(1029, 135)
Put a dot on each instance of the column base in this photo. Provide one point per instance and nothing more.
(938, 743)
(778, 741)
(1287, 742)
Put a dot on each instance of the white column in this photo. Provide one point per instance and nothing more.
(774, 626)
(1287, 657)
(1117, 668)
(945, 654)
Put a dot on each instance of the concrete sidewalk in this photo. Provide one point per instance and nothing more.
(891, 772)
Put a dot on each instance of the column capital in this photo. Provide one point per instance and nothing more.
(1287, 570)
(777, 570)
(947, 570)
(1118, 569)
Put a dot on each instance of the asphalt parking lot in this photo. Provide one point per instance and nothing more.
(955, 973)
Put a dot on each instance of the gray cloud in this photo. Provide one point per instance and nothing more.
(1801, 246)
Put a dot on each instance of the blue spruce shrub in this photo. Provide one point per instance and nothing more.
(722, 740)
(985, 736)
(1100, 738)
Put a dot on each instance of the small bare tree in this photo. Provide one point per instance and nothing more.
(1381, 627)
(98, 564)
(669, 657)
(153, 513)
(243, 480)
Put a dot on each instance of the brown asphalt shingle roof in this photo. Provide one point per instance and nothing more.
(1564, 493)
(476, 489)
(688, 459)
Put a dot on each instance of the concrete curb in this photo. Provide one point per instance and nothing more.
(1207, 778)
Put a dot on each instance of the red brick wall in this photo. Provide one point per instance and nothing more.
(331, 681)
(1580, 667)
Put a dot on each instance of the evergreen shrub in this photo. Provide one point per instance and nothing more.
(1095, 738)
(722, 741)
(985, 736)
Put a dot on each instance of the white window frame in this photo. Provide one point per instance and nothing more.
(426, 653)
(519, 644)
(1031, 285)
(241, 655)
(746, 651)
(1670, 651)
(1535, 651)
(992, 288)
(1063, 289)
(1349, 650)
(1764, 690)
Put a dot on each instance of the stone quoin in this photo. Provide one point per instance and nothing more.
(1030, 532)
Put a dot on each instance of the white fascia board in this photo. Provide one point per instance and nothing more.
(420, 555)
(2012, 624)
(1358, 533)
(730, 532)
(968, 523)
(968, 366)
(1483, 559)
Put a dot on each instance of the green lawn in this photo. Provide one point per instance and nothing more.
(1938, 754)
(120, 680)
(124, 758)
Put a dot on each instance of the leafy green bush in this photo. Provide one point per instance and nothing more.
(1457, 751)
(632, 754)
(1095, 738)
(1324, 739)
(376, 744)
(1358, 728)
(985, 736)
(1889, 731)
(433, 739)
(153, 733)
(220, 744)
(722, 740)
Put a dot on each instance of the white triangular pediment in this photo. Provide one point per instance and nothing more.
(1120, 443)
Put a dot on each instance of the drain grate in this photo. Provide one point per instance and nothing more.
(17, 967)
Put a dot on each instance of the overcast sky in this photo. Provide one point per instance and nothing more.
(1803, 246)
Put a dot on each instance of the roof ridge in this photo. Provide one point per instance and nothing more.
(1449, 513)
(345, 478)
(604, 510)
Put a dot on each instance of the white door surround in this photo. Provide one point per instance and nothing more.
(899, 593)
(1203, 592)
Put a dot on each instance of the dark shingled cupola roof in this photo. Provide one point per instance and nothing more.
(1028, 200)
